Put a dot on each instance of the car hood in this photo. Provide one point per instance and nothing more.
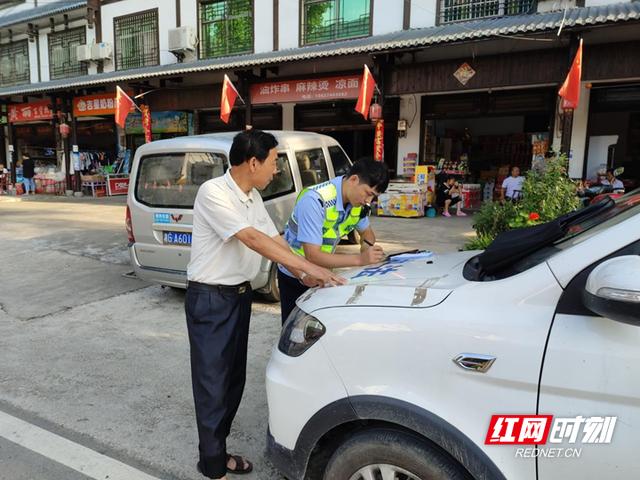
(414, 283)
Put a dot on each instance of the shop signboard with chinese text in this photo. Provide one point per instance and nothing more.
(90, 105)
(307, 90)
(30, 112)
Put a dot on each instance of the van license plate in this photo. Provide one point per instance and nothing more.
(176, 238)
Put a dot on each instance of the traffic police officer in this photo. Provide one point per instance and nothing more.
(326, 212)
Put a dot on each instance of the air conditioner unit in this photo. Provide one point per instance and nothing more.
(101, 51)
(83, 53)
(182, 39)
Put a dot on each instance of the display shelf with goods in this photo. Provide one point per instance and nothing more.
(409, 164)
(40, 155)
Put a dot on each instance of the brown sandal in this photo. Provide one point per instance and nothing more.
(240, 462)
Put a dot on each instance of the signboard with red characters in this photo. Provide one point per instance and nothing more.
(327, 88)
(117, 185)
(30, 112)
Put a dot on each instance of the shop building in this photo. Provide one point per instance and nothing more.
(476, 87)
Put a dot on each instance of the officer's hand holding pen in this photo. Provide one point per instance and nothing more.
(373, 254)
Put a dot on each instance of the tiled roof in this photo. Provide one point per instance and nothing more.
(49, 8)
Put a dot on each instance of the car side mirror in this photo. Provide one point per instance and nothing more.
(613, 289)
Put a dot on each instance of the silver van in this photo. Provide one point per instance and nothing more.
(166, 175)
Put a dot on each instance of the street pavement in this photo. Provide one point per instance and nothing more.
(94, 375)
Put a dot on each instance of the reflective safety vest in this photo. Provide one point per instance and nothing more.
(332, 231)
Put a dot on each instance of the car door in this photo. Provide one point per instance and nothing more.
(590, 377)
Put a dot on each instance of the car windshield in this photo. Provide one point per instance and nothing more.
(579, 226)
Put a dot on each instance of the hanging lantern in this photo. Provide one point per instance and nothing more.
(65, 129)
(375, 112)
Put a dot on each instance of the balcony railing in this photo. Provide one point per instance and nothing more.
(463, 10)
(337, 29)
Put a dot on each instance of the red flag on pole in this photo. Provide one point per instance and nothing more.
(367, 84)
(124, 104)
(146, 122)
(228, 98)
(570, 90)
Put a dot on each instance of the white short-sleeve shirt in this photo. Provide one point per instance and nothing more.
(221, 210)
(512, 185)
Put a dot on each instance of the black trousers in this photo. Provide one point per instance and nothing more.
(290, 290)
(218, 325)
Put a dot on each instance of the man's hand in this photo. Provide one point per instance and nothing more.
(371, 255)
(321, 277)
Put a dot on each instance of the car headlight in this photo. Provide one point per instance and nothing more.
(300, 332)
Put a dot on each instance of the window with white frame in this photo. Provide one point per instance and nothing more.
(226, 27)
(137, 40)
(330, 20)
(462, 10)
(63, 58)
(14, 63)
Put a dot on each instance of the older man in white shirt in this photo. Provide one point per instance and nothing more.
(231, 231)
(512, 186)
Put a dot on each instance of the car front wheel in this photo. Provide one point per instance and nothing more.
(387, 454)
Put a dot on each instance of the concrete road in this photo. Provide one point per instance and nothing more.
(100, 361)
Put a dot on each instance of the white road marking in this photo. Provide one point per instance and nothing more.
(63, 451)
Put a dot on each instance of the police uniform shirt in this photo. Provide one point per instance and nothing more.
(310, 214)
(221, 210)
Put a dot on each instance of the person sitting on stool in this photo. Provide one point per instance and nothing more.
(512, 186)
(449, 194)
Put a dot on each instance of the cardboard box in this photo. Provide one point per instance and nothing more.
(396, 204)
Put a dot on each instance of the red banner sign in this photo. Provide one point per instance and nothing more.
(146, 122)
(118, 186)
(30, 112)
(378, 142)
(327, 88)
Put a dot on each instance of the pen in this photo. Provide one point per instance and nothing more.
(367, 242)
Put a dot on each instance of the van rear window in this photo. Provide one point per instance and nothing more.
(172, 180)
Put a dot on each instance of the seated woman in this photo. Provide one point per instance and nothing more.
(449, 193)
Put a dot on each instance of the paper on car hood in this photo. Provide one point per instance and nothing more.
(415, 283)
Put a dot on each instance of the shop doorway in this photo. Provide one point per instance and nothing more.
(339, 120)
(613, 134)
(478, 137)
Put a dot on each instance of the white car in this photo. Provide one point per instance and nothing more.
(397, 375)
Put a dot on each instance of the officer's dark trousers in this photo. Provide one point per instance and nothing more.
(290, 290)
(218, 324)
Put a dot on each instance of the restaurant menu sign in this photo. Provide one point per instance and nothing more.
(306, 90)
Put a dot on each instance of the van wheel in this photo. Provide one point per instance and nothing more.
(384, 453)
(271, 292)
